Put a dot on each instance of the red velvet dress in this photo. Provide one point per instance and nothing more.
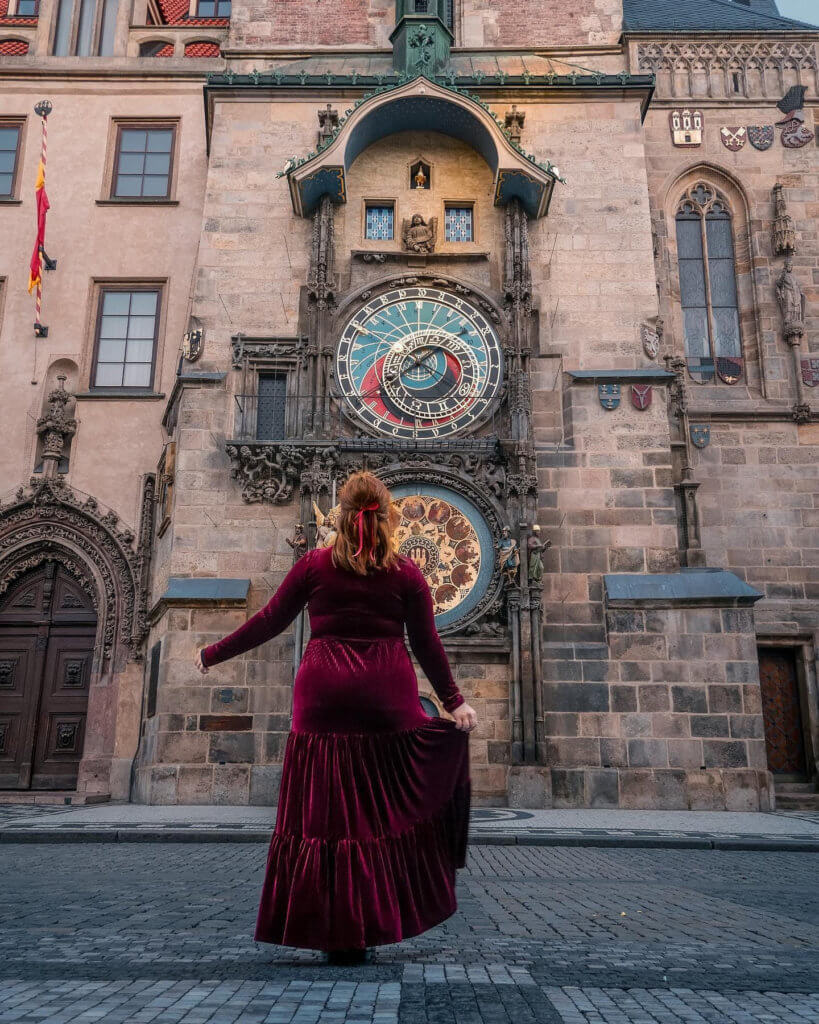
(374, 801)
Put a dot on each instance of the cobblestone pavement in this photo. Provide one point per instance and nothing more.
(136, 932)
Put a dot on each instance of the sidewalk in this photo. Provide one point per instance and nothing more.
(784, 830)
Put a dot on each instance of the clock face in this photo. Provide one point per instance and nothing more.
(419, 362)
(450, 542)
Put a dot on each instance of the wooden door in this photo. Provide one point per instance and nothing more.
(781, 711)
(47, 634)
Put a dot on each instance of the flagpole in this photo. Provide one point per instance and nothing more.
(42, 109)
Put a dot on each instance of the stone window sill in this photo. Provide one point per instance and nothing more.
(10, 202)
(119, 393)
(137, 202)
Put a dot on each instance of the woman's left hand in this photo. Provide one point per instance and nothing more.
(201, 666)
(466, 717)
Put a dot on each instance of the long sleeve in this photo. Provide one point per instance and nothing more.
(271, 620)
(424, 640)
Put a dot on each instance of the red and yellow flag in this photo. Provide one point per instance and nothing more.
(35, 269)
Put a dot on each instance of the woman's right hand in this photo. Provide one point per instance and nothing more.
(201, 666)
(466, 718)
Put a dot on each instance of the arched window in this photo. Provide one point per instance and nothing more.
(708, 286)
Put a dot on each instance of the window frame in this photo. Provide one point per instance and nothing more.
(143, 125)
(378, 202)
(461, 204)
(198, 14)
(19, 123)
(702, 211)
(124, 286)
(16, 12)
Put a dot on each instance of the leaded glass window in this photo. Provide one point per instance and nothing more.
(379, 222)
(708, 287)
(458, 224)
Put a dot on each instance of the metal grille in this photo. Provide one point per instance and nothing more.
(270, 418)
(380, 221)
(458, 224)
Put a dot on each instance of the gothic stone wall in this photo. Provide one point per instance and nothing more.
(479, 23)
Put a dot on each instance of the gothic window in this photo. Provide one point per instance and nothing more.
(143, 163)
(448, 13)
(270, 416)
(379, 222)
(85, 28)
(127, 324)
(9, 158)
(458, 224)
(708, 288)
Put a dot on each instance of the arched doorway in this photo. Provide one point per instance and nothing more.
(48, 628)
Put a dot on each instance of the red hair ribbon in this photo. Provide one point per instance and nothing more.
(373, 507)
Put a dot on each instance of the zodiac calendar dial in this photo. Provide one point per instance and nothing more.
(419, 362)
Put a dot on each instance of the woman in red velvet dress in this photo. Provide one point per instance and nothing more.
(374, 800)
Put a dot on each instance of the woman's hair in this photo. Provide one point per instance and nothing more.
(365, 524)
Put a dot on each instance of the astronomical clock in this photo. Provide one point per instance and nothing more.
(419, 363)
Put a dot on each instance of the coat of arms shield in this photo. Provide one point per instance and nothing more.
(810, 372)
(761, 136)
(609, 395)
(700, 434)
(733, 137)
(641, 395)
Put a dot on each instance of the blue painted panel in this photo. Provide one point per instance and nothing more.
(200, 588)
(686, 585)
(379, 224)
(515, 184)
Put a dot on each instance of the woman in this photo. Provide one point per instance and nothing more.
(374, 800)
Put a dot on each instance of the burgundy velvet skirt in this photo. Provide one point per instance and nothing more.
(373, 810)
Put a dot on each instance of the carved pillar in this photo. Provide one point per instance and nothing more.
(321, 295)
(692, 554)
(515, 682)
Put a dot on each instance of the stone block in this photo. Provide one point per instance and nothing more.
(273, 747)
(613, 753)
(724, 699)
(231, 784)
(265, 780)
(231, 747)
(647, 753)
(703, 791)
(623, 698)
(752, 700)
(636, 725)
(725, 754)
(229, 698)
(575, 697)
(709, 725)
(670, 789)
(602, 789)
(529, 786)
(226, 723)
(573, 752)
(747, 727)
(638, 790)
(685, 753)
(689, 699)
(162, 785)
(561, 724)
(741, 791)
(181, 748)
(568, 789)
(653, 698)
(195, 784)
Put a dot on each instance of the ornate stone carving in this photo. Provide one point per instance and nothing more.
(513, 122)
(784, 233)
(56, 426)
(517, 277)
(49, 521)
(509, 557)
(792, 304)
(328, 122)
(270, 472)
(419, 235)
(687, 61)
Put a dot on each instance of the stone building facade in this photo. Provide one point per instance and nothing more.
(556, 279)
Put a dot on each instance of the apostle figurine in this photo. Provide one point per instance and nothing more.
(791, 302)
(535, 546)
(298, 542)
(419, 236)
(509, 557)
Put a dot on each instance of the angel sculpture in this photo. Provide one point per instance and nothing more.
(325, 527)
(419, 235)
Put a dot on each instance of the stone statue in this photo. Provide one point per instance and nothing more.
(298, 542)
(509, 557)
(791, 302)
(325, 527)
(419, 235)
(535, 546)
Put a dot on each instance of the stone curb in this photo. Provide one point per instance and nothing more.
(700, 841)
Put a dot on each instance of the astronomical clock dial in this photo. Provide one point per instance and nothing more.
(450, 542)
(419, 362)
